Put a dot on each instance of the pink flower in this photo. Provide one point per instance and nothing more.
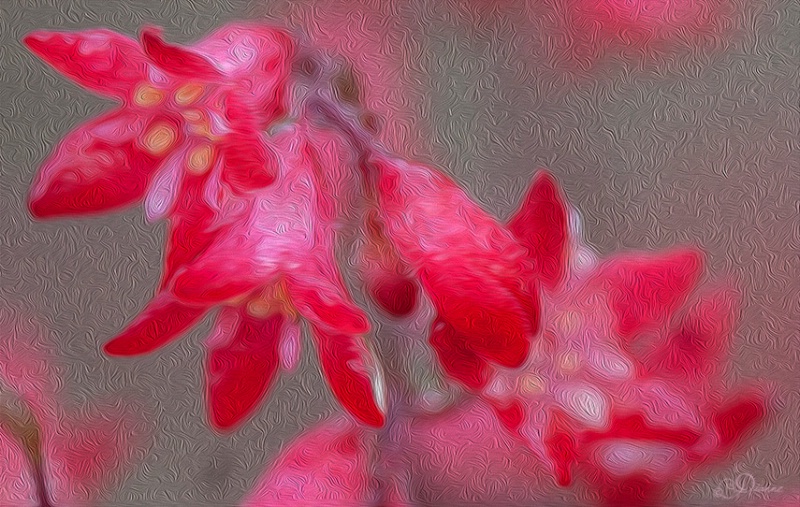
(268, 258)
(625, 384)
(50, 456)
(624, 390)
(184, 111)
(481, 280)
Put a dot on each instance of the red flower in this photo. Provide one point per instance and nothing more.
(479, 277)
(48, 454)
(623, 389)
(184, 111)
(268, 257)
(629, 383)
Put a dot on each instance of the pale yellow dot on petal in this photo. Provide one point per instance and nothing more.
(569, 362)
(532, 384)
(147, 96)
(260, 308)
(193, 115)
(200, 159)
(188, 94)
(160, 139)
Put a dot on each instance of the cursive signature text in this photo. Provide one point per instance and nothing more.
(743, 484)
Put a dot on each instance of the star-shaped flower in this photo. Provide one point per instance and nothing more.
(183, 111)
(268, 258)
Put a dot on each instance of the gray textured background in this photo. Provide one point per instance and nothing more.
(677, 146)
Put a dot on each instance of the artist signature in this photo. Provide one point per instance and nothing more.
(741, 485)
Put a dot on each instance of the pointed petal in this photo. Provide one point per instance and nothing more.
(241, 366)
(99, 60)
(328, 465)
(102, 165)
(644, 290)
(737, 418)
(473, 268)
(176, 60)
(319, 294)
(162, 320)
(541, 225)
(353, 375)
(699, 345)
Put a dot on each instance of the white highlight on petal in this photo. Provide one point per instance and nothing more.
(610, 364)
(587, 404)
(163, 189)
(624, 457)
(290, 347)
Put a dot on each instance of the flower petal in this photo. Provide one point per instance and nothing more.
(386, 276)
(737, 418)
(99, 60)
(458, 361)
(541, 225)
(696, 349)
(318, 292)
(249, 163)
(191, 229)
(241, 366)
(328, 465)
(176, 60)
(473, 268)
(353, 375)
(102, 165)
(163, 319)
(646, 289)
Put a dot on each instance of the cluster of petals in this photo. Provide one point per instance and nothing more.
(623, 389)
(251, 222)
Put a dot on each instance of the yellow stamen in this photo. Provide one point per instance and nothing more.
(147, 96)
(188, 94)
(200, 159)
(159, 139)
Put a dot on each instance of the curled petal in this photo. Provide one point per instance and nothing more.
(102, 165)
(458, 361)
(241, 366)
(177, 60)
(541, 225)
(352, 373)
(473, 268)
(99, 60)
(162, 320)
